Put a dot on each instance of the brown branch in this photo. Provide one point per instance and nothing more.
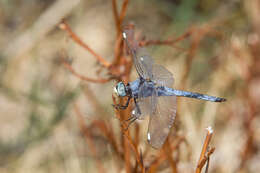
(168, 152)
(204, 154)
(64, 26)
(116, 17)
(169, 41)
(162, 156)
(128, 138)
(206, 157)
(69, 67)
(144, 43)
(123, 11)
(134, 148)
(119, 20)
(118, 49)
(108, 133)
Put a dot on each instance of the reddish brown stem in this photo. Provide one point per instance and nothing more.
(205, 158)
(69, 67)
(123, 11)
(204, 150)
(108, 133)
(129, 141)
(169, 42)
(64, 26)
(116, 17)
(168, 153)
(162, 156)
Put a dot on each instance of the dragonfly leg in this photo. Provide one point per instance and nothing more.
(118, 106)
(137, 107)
(132, 119)
(134, 115)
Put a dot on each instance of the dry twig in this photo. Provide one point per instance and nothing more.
(69, 67)
(204, 152)
(64, 26)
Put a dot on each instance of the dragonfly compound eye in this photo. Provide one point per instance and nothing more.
(120, 89)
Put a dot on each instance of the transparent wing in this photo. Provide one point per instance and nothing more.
(145, 63)
(161, 76)
(147, 100)
(161, 121)
(142, 61)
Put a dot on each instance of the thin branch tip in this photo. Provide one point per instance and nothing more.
(62, 26)
(210, 129)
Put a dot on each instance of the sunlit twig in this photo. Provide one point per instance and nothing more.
(204, 154)
(64, 26)
(69, 67)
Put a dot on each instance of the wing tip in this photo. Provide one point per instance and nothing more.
(156, 145)
(124, 35)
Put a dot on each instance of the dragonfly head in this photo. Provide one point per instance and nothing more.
(120, 89)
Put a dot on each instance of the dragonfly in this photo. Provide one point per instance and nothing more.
(152, 93)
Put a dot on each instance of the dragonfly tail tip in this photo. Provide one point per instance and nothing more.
(221, 100)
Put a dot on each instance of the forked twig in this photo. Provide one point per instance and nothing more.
(69, 67)
(119, 17)
(206, 157)
(204, 152)
(64, 26)
(168, 42)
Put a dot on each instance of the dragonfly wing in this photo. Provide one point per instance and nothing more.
(161, 76)
(142, 61)
(161, 121)
(145, 63)
(146, 103)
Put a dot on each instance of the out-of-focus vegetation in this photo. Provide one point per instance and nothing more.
(56, 91)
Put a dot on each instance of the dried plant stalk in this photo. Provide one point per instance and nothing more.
(204, 152)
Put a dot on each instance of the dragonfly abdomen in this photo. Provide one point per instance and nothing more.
(165, 91)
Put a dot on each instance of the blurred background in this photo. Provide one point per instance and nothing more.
(53, 120)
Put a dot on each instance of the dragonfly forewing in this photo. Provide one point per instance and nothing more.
(142, 61)
(161, 76)
(145, 62)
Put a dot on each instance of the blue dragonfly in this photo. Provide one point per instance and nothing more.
(152, 94)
